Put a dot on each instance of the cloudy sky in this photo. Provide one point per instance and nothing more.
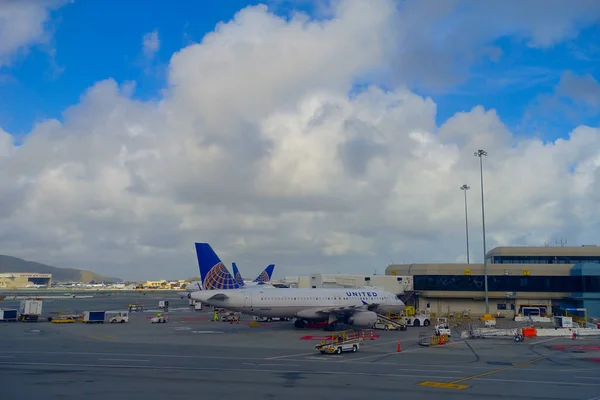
(320, 136)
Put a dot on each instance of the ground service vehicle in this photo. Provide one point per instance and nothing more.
(340, 342)
(136, 307)
(419, 320)
(442, 327)
(30, 310)
(391, 321)
(8, 315)
(158, 320)
(94, 317)
(119, 317)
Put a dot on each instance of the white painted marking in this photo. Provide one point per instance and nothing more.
(132, 355)
(539, 382)
(124, 366)
(121, 359)
(402, 352)
(289, 355)
(430, 370)
(339, 373)
(545, 340)
(324, 358)
(274, 365)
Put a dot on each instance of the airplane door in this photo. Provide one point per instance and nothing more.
(247, 300)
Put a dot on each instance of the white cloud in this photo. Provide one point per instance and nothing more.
(150, 44)
(23, 23)
(258, 148)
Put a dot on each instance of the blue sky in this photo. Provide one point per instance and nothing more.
(93, 42)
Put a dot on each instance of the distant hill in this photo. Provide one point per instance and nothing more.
(14, 264)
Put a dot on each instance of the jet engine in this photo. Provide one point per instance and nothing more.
(361, 318)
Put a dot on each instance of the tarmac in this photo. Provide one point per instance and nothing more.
(193, 357)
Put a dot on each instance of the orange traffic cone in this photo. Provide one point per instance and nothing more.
(363, 334)
(398, 349)
(371, 335)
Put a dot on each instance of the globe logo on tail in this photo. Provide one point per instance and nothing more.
(219, 278)
(238, 278)
(263, 277)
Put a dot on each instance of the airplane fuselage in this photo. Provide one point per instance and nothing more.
(299, 303)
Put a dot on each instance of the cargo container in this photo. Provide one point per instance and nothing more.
(8, 315)
(30, 310)
(94, 317)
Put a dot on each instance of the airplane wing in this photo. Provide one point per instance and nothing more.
(218, 296)
(340, 310)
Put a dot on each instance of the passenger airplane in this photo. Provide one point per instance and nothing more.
(262, 280)
(358, 307)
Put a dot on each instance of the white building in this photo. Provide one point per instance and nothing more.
(394, 284)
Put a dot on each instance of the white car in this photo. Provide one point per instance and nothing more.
(269, 319)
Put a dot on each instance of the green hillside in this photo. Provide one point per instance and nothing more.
(14, 264)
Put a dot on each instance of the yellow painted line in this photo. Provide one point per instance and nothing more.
(499, 370)
(455, 384)
(444, 385)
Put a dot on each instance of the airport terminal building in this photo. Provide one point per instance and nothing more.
(22, 280)
(549, 278)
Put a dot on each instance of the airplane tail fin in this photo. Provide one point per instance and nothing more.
(237, 276)
(265, 276)
(213, 272)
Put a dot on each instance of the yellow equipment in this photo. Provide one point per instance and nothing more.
(348, 340)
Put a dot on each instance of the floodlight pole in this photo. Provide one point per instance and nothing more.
(464, 188)
(481, 154)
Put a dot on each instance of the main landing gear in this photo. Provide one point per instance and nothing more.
(300, 324)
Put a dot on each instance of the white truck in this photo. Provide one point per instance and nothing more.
(419, 320)
(30, 310)
(442, 327)
(118, 317)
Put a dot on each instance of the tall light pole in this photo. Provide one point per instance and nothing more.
(481, 154)
(464, 188)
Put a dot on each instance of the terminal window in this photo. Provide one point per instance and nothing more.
(508, 283)
(543, 259)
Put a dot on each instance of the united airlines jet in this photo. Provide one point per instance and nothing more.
(261, 280)
(358, 307)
